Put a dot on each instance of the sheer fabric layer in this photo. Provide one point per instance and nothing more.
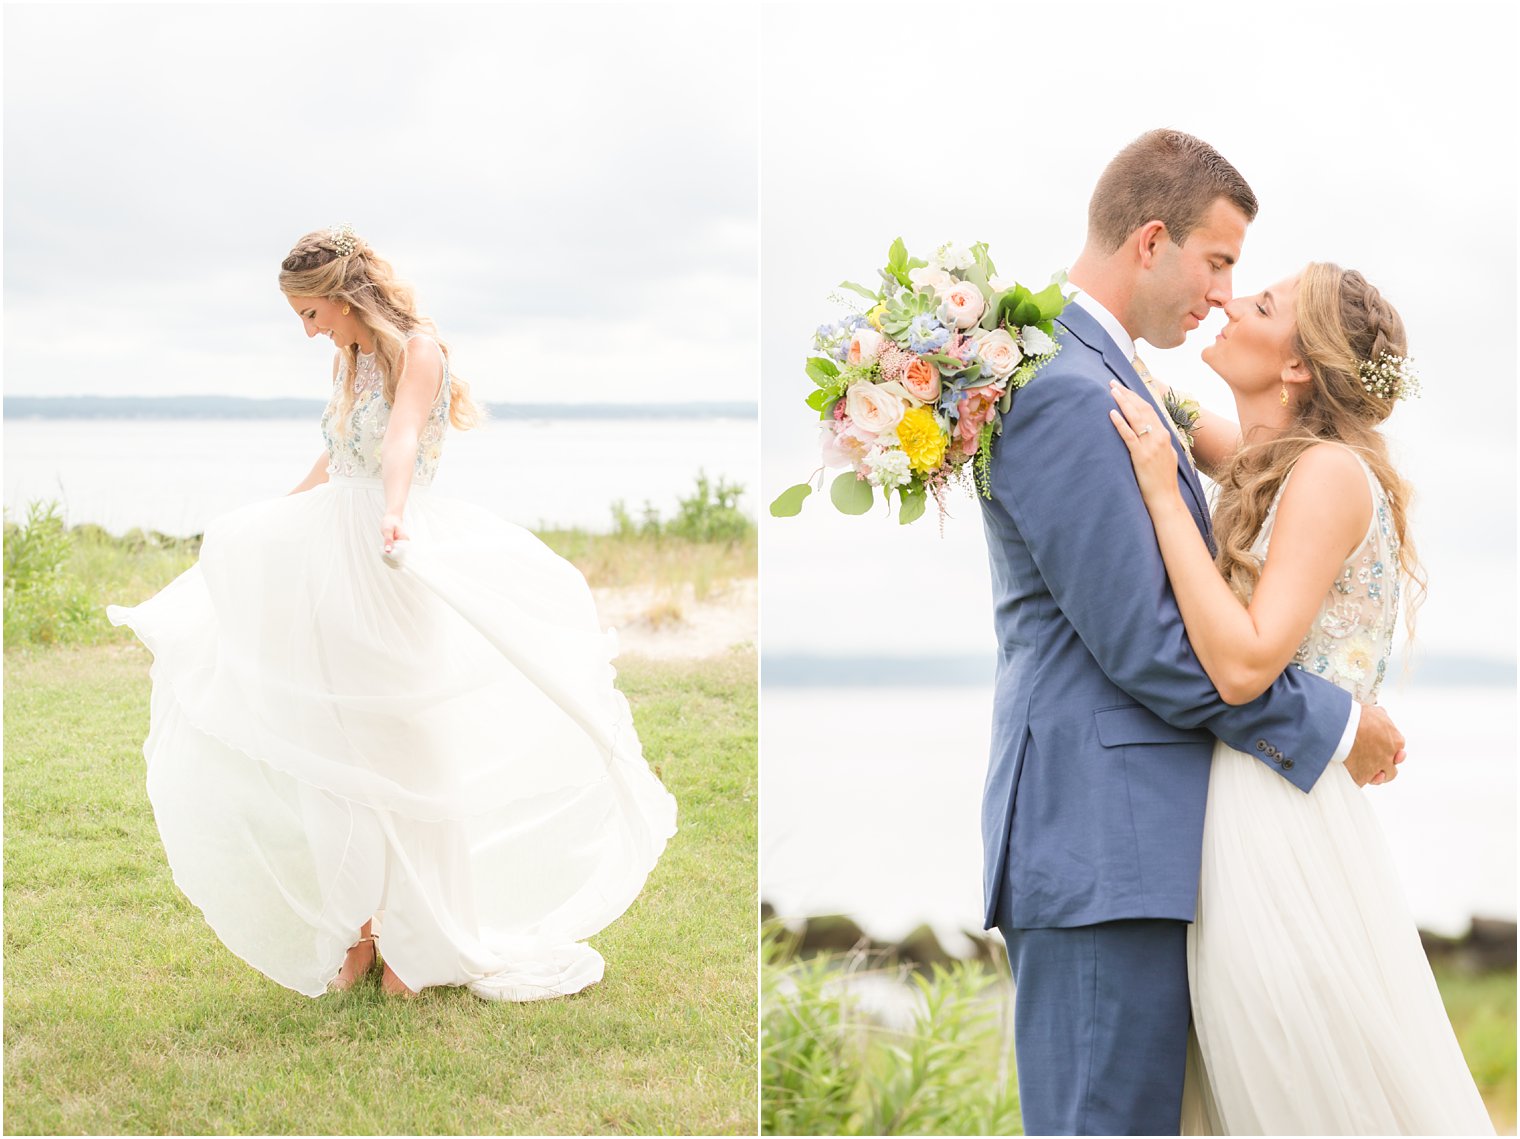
(439, 741)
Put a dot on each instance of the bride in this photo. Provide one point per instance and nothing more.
(1314, 1008)
(385, 717)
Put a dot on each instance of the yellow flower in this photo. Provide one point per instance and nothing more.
(921, 439)
(875, 315)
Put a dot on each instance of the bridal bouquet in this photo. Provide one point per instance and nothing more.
(912, 390)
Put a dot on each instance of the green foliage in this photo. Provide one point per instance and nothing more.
(851, 495)
(899, 264)
(788, 503)
(902, 308)
(830, 1067)
(1018, 307)
(709, 514)
(912, 499)
(1482, 1012)
(45, 602)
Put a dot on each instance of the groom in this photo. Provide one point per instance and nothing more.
(1092, 817)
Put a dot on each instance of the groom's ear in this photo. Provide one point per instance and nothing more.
(1148, 240)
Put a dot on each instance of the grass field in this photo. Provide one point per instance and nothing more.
(123, 1013)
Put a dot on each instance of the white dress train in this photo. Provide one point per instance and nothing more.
(434, 740)
(1314, 1008)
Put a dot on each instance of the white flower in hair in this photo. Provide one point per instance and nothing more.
(1390, 377)
(342, 237)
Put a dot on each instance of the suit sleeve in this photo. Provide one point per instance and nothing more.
(1065, 479)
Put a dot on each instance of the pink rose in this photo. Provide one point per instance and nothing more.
(922, 380)
(977, 406)
(962, 305)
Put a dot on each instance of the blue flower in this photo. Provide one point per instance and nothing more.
(925, 334)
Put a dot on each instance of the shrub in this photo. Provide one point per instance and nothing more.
(44, 602)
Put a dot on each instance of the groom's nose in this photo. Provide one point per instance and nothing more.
(1220, 291)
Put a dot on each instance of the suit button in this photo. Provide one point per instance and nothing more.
(1287, 765)
(1261, 745)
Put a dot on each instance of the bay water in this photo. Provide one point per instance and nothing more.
(175, 475)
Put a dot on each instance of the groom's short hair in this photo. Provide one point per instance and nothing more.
(1163, 175)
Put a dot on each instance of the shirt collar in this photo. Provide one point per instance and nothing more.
(1108, 323)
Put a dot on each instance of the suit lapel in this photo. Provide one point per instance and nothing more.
(1080, 323)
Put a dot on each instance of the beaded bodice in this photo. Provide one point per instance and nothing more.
(1351, 638)
(355, 450)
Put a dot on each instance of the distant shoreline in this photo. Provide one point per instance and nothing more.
(242, 407)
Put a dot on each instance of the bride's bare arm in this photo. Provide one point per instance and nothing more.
(421, 378)
(318, 473)
(315, 477)
(1322, 517)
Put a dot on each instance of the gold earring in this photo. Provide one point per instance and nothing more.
(1284, 393)
(1285, 390)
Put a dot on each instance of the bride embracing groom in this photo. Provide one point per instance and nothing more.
(1203, 921)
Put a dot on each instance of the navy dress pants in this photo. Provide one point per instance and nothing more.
(1101, 1019)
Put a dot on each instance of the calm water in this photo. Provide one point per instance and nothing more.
(176, 475)
(871, 804)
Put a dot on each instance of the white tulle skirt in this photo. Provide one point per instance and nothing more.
(1314, 1008)
(436, 743)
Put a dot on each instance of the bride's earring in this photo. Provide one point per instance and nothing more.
(1285, 390)
(1284, 400)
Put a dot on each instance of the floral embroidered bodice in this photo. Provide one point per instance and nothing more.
(1351, 638)
(356, 450)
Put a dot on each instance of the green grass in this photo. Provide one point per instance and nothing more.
(1482, 1011)
(831, 1067)
(123, 1013)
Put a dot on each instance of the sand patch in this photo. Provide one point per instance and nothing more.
(672, 624)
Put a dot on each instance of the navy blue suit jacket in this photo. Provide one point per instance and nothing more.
(1104, 721)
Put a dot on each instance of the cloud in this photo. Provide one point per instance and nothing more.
(525, 166)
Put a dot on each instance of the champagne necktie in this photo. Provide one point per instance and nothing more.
(1151, 386)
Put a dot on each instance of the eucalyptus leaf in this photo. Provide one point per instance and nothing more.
(851, 495)
(789, 502)
(912, 507)
(820, 398)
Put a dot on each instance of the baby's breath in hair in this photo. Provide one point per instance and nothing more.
(1391, 377)
(342, 237)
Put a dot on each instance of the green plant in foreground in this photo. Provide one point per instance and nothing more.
(829, 1066)
(44, 602)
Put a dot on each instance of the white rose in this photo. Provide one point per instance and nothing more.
(872, 408)
(999, 353)
(1036, 343)
(889, 468)
(961, 305)
(929, 277)
(952, 256)
(865, 345)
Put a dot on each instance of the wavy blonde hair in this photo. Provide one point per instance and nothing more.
(1341, 320)
(386, 305)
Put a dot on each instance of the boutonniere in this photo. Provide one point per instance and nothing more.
(1185, 412)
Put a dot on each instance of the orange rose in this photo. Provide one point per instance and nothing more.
(922, 380)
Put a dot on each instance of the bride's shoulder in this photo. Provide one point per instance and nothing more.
(1327, 489)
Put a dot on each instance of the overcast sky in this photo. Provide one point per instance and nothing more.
(1382, 137)
(570, 187)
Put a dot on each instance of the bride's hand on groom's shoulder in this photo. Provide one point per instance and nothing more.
(1149, 442)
